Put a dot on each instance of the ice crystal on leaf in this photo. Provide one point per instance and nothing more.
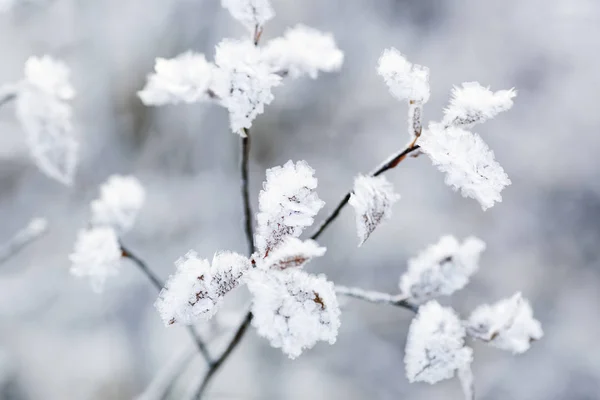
(185, 78)
(293, 310)
(441, 269)
(251, 13)
(291, 253)
(303, 51)
(467, 161)
(406, 81)
(507, 324)
(121, 198)
(372, 200)
(96, 255)
(472, 104)
(45, 115)
(435, 347)
(242, 82)
(197, 288)
(287, 204)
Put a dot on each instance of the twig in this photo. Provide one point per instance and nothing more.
(246, 191)
(36, 228)
(390, 163)
(397, 300)
(163, 381)
(7, 94)
(157, 283)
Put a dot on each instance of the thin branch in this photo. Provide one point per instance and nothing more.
(7, 94)
(163, 381)
(397, 300)
(158, 284)
(246, 191)
(390, 163)
(36, 228)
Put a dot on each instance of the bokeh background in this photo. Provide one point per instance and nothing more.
(59, 340)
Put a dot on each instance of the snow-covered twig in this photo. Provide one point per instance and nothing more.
(246, 191)
(397, 300)
(36, 228)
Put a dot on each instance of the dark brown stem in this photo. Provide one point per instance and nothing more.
(246, 191)
(6, 95)
(158, 284)
(386, 165)
(397, 300)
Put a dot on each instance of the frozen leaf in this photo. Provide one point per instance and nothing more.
(49, 76)
(251, 13)
(185, 78)
(473, 104)
(121, 198)
(372, 200)
(441, 269)
(293, 310)
(242, 81)
(303, 51)
(287, 204)
(197, 288)
(292, 253)
(435, 347)
(507, 324)
(404, 80)
(467, 161)
(97, 255)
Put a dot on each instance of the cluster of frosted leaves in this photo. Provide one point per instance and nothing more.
(441, 269)
(473, 104)
(507, 324)
(44, 112)
(185, 78)
(435, 346)
(121, 198)
(406, 81)
(372, 200)
(195, 291)
(293, 310)
(291, 253)
(303, 51)
(467, 161)
(252, 14)
(287, 204)
(96, 256)
(243, 81)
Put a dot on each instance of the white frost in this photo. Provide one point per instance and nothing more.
(303, 51)
(294, 310)
(291, 253)
(472, 104)
(404, 80)
(121, 198)
(251, 13)
(242, 82)
(49, 76)
(97, 255)
(185, 78)
(197, 288)
(435, 347)
(507, 324)
(467, 161)
(287, 204)
(372, 200)
(441, 269)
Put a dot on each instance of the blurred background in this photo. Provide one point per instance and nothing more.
(59, 340)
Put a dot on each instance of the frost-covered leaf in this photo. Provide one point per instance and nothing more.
(293, 310)
(49, 76)
(251, 13)
(291, 253)
(435, 347)
(185, 78)
(467, 161)
(507, 324)
(303, 51)
(441, 269)
(242, 81)
(287, 204)
(372, 200)
(121, 198)
(197, 288)
(406, 81)
(473, 104)
(97, 255)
